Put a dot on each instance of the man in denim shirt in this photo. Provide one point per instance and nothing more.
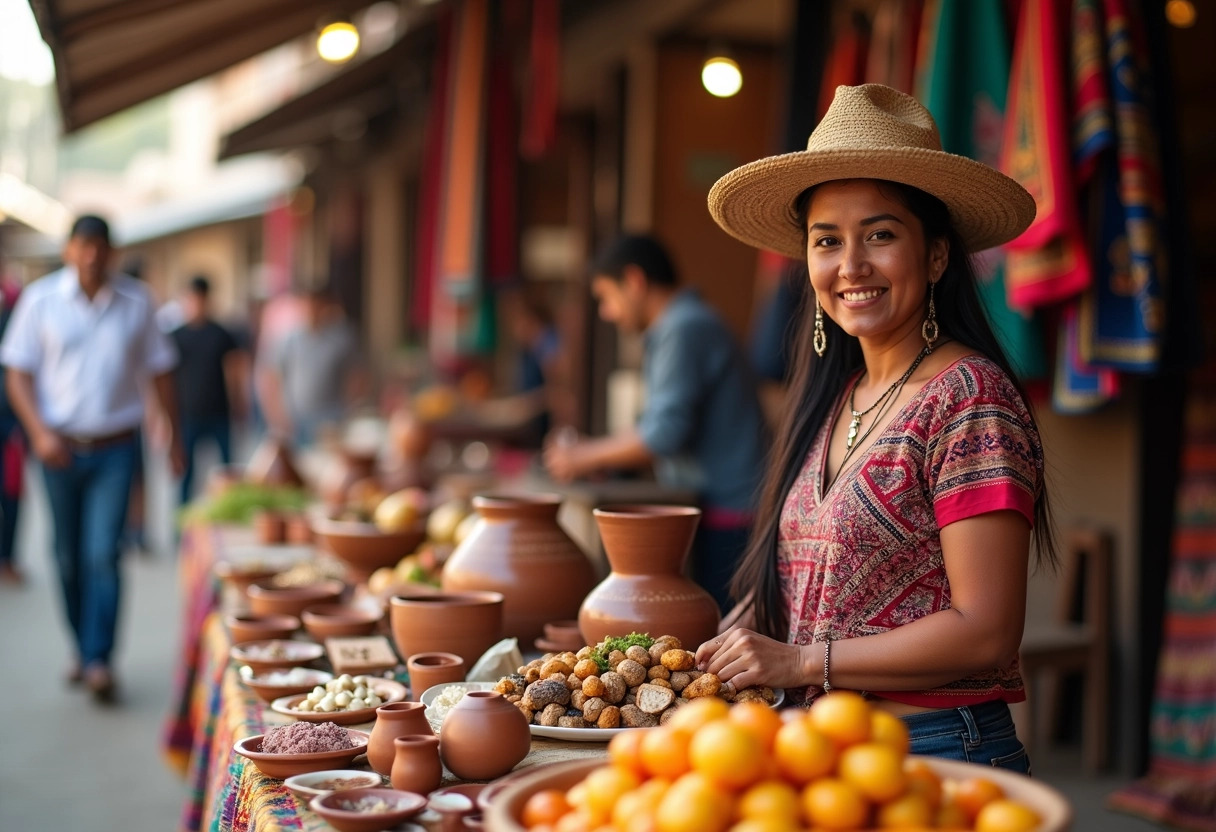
(701, 427)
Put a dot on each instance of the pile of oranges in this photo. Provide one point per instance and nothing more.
(839, 765)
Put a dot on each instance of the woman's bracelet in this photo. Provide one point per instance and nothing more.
(827, 664)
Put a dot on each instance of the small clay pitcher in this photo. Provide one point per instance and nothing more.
(518, 548)
(647, 591)
(396, 719)
(484, 736)
(416, 766)
(270, 527)
(429, 669)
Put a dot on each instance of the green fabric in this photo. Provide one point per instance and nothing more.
(963, 78)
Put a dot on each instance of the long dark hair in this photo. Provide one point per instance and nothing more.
(816, 383)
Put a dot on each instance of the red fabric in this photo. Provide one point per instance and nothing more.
(845, 65)
(502, 258)
(429, 195)
(540, 104)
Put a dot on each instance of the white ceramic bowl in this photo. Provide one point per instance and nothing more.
(307, 786)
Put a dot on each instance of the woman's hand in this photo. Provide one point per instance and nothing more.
(746, 658)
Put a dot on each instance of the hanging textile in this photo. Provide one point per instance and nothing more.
(544, 75)
(963, 80)
(1121, 316)
(894, 36)
(1078, 387)
(426, 227)
(1180, 787)
(1049, 262)
(846, 63)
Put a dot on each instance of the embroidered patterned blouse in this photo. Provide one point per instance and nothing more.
(867, 556)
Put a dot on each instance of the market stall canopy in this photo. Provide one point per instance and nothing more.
(113, 54)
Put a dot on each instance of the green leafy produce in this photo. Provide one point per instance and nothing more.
(240, 502)
(604, 649)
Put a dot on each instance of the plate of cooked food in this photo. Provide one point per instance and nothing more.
(343, 700)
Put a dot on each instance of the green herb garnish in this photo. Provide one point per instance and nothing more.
(600, 653)
(240, 502)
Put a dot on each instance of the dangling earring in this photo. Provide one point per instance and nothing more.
(929, 329)
(821, 338)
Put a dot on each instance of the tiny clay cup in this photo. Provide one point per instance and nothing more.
(429, 669)
(396, 719)
(416, 766)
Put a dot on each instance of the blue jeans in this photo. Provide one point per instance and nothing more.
(216, 429)
(89, 507)
(715, 556)
(981, 734)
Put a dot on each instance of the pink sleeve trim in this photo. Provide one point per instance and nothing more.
(981, 499)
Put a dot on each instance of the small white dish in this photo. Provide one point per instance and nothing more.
(307, 786)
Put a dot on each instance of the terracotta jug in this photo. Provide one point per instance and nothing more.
(344, 471)
(416, 766)
(462, 740)
(517, 548)
(429, 669)
(396, 719)
(271, 465)
(647, 591)
(464, 623)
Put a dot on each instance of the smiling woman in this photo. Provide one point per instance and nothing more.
(892, 540)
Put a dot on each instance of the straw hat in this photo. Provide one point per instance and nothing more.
(869, 132)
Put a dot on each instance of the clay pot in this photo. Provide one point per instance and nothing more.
(397, 719)
(484, 736)
(464, 623)
(272, 465)
(347, 469)
(298, 529)
(257, 627)
(408, 436)
(517, 548)
(363, 548)
(269, 528)
(291, 600)
(429, 669)
(340, 620)
(647, 591)
(416, 766)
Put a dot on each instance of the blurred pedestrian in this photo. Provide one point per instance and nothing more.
(81, 346)
(311, 377)
(701, 426)
(209, 379)
(12, 458)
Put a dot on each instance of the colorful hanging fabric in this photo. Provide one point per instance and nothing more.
(1078, 387)
(963, 80)
(1049, 262)
(544, 74)
(1180, 787)
(846, 63)
(894, 36)
(430, 193)
(1121, 317)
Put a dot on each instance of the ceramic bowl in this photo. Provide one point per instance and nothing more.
(365, 548)
(506, 806)
(464, 623)
(282, 766)
(242, 575)
(292, 600)
(270, 686)
(274, 654)
(329, 806)
(257, 627)
(340, 620)
(316, 783)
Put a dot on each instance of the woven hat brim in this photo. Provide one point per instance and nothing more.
(755, 202)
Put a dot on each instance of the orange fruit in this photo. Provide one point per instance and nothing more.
(604, 787)
(727, 753)
(974, 793)
(544, 807)
(694, 803)
(769, 799)
(664, 753)
(1006, 816)
(844, 716)
(698, 712)
(759, 719)
(802, 752)
(889, 729)
(576, 821)
(625, 750)
(831, 803)
(924, 781)
(875, 769)
(636, 809)
(766, 824)
(909, 811)
(951, 816)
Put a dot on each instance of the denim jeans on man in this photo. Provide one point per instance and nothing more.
(218, 430)
(88, 507)
(981, 734)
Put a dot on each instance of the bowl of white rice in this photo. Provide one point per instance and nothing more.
(440, 699)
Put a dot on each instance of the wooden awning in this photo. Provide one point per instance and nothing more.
(113, 54)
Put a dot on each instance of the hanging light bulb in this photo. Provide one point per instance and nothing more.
(721, 76)
(338, 41)
(1180, 13)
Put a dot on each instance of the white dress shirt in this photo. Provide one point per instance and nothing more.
(90, 359)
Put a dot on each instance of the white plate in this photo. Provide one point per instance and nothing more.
(389, 691)
(604, 734)
(432, 693)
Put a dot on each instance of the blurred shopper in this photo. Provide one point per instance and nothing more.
(312, 376)
(209, 380)
(701, 426)
(81, 346)
(12, 458)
